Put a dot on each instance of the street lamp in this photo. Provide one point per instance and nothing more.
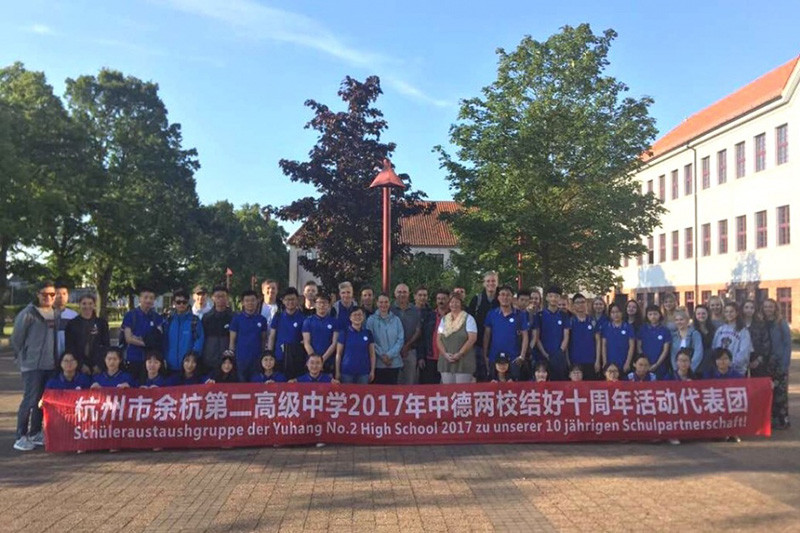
(387, 179)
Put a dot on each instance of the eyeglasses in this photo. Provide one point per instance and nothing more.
(48, 294)
(181, 302)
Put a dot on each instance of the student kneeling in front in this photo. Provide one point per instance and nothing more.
(314, 374)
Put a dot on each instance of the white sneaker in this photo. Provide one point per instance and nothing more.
(24, 444)
(320, 445)
(674, 442)
(37, 438)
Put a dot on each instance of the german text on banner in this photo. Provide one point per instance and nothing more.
(209, 416)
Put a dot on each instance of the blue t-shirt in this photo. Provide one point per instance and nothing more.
(617, 343)
(599, 322)
(321, 331)
(715, 374)
(342, 314)
(159, 381)
(249, 344)
(140, 327)
(505, 332)
(632, 376)
(105, 380)
(551, 330)
(321, 378)
(277, 377)
(582, 341)
(653, 340)
(196, 379)
(60, 382)
(288, 330)
(355, 356)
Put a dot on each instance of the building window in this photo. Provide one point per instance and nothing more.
(761, 229)
(639, 260)
(650, 253)
(706, 239)
(784, 237)
(723, 293)
(740, 160)
(761, 152)
(662, 190)
(722, 227)
(688, 301)
(781, 144)
(740, 296)
(625, 261)
(687, 179)
(674, 184)
(650, 186)
(761, 295)
(675, 246)
(688, 234)
(706, 167)
(741, 233)
(662, 247)
(722, 166)
(705, 296)
(785, 303)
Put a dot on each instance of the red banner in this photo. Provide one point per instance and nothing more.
(210, 416)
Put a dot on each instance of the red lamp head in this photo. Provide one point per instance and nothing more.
(387, 177)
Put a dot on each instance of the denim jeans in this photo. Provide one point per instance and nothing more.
(358, 379)
(33, 382)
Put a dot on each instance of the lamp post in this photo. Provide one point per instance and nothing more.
(386, 180)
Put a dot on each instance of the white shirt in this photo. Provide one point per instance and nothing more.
(268, 311)
(472, 326)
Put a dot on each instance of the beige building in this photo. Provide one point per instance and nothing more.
(729, 177)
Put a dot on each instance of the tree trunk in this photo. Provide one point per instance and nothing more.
(3, 281)
(103, 284)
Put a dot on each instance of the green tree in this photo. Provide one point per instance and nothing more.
(40, 153)
(343, 223)
(240, 239)
(139, 216)
(545, 161)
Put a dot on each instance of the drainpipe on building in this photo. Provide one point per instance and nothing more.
(694, 229)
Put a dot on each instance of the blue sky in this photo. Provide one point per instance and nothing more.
(235, 73)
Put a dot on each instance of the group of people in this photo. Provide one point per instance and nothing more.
(499, 335)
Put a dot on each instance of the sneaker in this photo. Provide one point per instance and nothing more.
(674, 442)
(24, 444)
(320, 445)
(37, 438)
(737, 440)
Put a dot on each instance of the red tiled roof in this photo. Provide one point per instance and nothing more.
(427, 230)
(750, 97)
(423, 230)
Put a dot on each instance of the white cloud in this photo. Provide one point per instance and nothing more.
(40, 29)
(260, 22)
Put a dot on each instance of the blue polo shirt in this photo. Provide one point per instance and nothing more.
(248, 330)
(653, 340)
(288, 330)
(599, 322)
(582, 341)
(505, 332)
(633, 376)
(321, 330)
(277, 377)
(551, 329)
(322, 378)
(60, 382)
(140, 327)
(617, 339)
(105, 380)
(355, 356)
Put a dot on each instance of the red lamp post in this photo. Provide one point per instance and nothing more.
(386, 180)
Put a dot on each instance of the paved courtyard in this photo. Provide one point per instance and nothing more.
(700, 486)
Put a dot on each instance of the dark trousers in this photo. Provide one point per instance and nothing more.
(430, 374)
(481, 372)
(588, 372)
(33, 382)
(294, 360)
(386, 376)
